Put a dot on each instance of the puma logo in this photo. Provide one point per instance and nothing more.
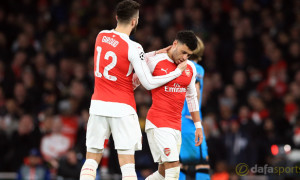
(165, 70)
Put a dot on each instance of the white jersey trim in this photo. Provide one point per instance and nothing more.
(112, 109)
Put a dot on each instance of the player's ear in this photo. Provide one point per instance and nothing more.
(175, 42)
(117, 18)
(133, 22)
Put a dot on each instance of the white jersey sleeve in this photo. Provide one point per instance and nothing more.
(135, 80)
(191, 94)
(137, 58)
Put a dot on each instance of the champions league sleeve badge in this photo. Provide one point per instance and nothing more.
(142, 57)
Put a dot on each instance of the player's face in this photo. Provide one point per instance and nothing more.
(181, 52)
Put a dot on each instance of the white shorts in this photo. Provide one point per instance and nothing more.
(164, 144)
(126, 132)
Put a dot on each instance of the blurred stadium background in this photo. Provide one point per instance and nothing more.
(251, 95)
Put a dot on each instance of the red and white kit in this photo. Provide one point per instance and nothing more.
(115, 57)
(163, 123)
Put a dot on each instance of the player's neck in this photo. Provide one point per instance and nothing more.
(170, 54)
(123, 29)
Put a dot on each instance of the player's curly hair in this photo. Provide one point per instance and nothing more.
(126, 9)
(188, 38)
(199, 51)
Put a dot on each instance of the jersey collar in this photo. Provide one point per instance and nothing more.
(119, 33)
(168, 58)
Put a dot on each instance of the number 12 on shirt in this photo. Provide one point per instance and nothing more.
(108, 67)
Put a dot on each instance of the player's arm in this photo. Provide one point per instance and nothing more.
(198, 133)
(136, 57)
(193, 105)
(135, 80)
(197, 85)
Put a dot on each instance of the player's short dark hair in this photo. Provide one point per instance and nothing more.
(126, 10)
(188, 38)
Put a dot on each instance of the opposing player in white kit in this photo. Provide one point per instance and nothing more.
(113, 109)
(163, 123)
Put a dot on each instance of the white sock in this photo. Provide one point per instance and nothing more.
(128, 172)
(155, 176)
(172, 173)
(88, 170)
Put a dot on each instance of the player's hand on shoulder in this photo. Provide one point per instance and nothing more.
(198, 137)
(164, 50)
(182, 66)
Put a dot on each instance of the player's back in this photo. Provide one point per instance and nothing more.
(113, 75)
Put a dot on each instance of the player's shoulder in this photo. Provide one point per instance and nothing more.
(135, 44)
(195, 64)
(199, 68)
(123, 36)
(190, 63)
(135, 50)
(159, 57)
(130, 42)
(105, 31)
(153, 61)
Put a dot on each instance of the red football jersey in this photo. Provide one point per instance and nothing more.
(168, 100)
(113, 72)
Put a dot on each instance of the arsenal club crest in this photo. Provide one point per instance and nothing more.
(187, 72)
(167, 151)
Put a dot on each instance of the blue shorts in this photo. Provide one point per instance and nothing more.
(189, 153)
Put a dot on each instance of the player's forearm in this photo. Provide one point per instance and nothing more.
(192, 102)
(196, 118)
(151, 82)
(140, 65)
